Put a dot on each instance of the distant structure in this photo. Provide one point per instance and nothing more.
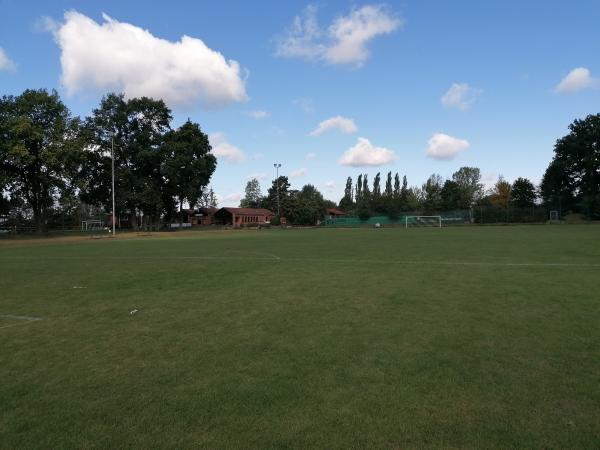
(237, 217)
(201, 216)
(333, 213)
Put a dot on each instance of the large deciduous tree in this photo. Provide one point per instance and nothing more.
(572, 180)
(253, 196)
(187, 163)
(501, 194)
(469, 183)
(285, 199)
(38, 149)
(139, 126)
(523, 193)
(432, 190)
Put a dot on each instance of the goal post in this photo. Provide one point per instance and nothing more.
(423, 221)
(92, 225)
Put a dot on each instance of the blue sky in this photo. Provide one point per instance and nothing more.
(512, 74)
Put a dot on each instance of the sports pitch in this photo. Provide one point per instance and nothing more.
(475, 337)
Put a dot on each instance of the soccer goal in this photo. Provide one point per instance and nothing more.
(423, 221)
(92, 225)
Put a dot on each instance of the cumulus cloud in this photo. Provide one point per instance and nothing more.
(366, 154)
(460, 96)
(344, 124)
(443, 147)
(119, 56)
(6, 63)
(305, 104)
(222, 149)
(328, 186)
(298, 173)
(576, 80)
(258, 176)
(344, 41)
(258, 114)
(311, 155)
(232, 200)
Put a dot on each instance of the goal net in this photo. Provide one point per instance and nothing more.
(92, 225)
(423, 221)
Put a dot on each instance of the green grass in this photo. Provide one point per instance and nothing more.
(461, 337)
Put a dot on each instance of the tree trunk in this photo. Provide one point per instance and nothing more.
(133, 220)
(180, 214)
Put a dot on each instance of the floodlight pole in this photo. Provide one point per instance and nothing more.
(277, 166)
(112, 155)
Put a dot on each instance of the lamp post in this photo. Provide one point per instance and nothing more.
(112, 155)
(277, 166)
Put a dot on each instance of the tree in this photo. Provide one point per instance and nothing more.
(404, 194)
(523, 194)
(359, 185)
(397, 185)
(389, 190)
(347, 202)
(285, 197)
(469, 183)
(500, 196)
(253, 196)
(432, 190)
(39, 154)
(310, 206)
(376, 199)
(139, 126)
(207, 199)
(450, 195)
(187, 163)
(573, 177)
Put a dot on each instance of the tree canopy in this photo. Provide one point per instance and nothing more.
(38, 149)
(572, 180)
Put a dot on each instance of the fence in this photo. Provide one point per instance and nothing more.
(448, 218)
(476, 215)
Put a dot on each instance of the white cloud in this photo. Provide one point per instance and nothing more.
(343, 42)
(311, 155)
(460, 96)
(257, 156)
(46, 24)
(258, 114)
(344, 124)
(305, 104)
(298, 173)
(328, 186)
(366, 154)
(231, 200)
(489, 179)
(123, 57)
(6, 63)
(443, 147)
(576, 80)
(258, 176)
(221, 148)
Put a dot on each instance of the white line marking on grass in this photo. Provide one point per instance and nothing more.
(24, 320)
(269, 257)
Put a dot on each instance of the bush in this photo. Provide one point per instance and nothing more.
(276, 221)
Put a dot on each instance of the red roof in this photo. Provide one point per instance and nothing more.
(335, 212)
(249, 211)
(209, 210)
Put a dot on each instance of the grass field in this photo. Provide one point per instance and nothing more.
(476, 337)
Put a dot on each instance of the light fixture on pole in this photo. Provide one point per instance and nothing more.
(112, 156)
(277, 166)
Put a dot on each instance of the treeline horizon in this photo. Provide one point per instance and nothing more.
(54, 164)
